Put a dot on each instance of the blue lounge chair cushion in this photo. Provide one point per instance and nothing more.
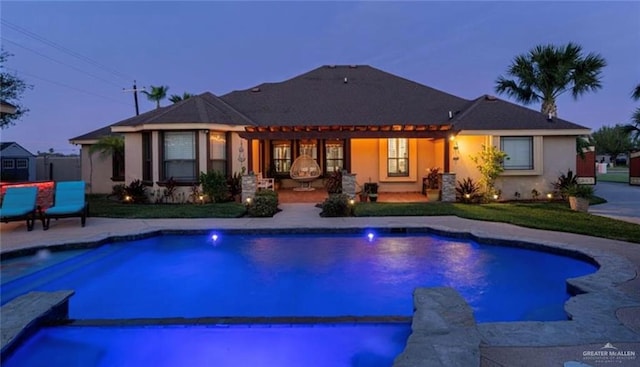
(18, 201)
(64, 209)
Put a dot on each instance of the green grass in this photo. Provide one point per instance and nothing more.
(615, 174)
(555, 216)
(548, 216)
(100, 206)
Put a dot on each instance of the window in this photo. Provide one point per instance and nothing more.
(519, 151)
(22, 163)
(117, 166)
(179, 155)
(147, 170)
(334, 156)
(218, 152)
(398, 157)
(282, 156)
(309, 147)
(8, 164)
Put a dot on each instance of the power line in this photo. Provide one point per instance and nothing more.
(68, 86)
(62, 63)
(66, 50)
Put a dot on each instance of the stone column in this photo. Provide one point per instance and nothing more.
(349, 184)
(448, 187)
(249, 186)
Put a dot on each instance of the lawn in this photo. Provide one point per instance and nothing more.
(555, 216)
(615, 174)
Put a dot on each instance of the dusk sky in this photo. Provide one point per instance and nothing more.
(457, 47)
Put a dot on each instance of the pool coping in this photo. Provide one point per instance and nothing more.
(595, 301)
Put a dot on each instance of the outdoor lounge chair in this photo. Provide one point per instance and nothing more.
(69, 201)
(19, 203)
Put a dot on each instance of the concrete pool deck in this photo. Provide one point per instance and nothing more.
(615, 316)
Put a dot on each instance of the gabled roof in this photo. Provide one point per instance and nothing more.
(491, 113)
(344, 95)
(16, 147)
(203, 108)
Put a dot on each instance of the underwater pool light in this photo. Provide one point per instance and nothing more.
(370, 236)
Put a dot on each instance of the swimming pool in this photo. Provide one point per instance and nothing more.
(193, 276)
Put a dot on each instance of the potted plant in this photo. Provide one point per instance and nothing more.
(433, 184)
(372, 189)
(579, 196)
(363, 194)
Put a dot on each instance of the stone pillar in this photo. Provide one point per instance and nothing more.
(249, 186)
(349, 184)
(448, 187)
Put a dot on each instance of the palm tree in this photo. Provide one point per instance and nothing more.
(634, 127)
(107, 146)
(175, 98)
(157, 94)
(548, 71)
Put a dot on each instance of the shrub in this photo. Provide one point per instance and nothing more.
(118, 191)
(579, 191)
(432, 178)
(563, 183)
(336, 205)
(170, 190)
(235, 184)
(535, 194)
(137, 192)
(214, 185)
(333, 183)
(264, 204)
(467, 191)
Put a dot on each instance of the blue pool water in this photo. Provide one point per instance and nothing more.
(309, 346)
(303, 275)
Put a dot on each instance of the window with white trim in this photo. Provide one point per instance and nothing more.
(179, 155)
(8, 164)
(398, 157)
(281, 156)
(22, 163)
(218, 151)
(334, 155)
(519, 150)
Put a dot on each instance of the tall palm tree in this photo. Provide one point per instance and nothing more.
(175, 98)
(634, 127)
(548, 71)
(157, 94)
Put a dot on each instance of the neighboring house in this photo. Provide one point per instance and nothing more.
(16, 163)
(379, 126)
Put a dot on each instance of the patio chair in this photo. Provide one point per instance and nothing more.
(19, 203)
(69, 201)
(265, 183)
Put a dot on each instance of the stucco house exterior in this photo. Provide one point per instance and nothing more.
(379, 126)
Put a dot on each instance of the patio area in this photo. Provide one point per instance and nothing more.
(289, 196)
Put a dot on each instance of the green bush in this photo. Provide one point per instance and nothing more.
(336, 205)
(564, 182)
(137, 192)
(468, 191)
(214, 185)
(118, 191)
(264, 204)
(333, 183)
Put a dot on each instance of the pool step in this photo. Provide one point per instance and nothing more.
(23, 315)
(443, 331)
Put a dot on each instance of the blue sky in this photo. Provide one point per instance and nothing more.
(458, 47)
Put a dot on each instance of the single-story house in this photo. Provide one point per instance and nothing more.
(16, 163)
(381, 127)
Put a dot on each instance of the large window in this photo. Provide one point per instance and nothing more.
(218, 152)
(519, 151)
(22, 163)
(334, 155)
(398, 157)
(8, 164)
(179, 155)
(309, 147)
(281, 156)
(147, 170)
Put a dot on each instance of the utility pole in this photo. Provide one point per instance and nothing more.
(135, 95)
